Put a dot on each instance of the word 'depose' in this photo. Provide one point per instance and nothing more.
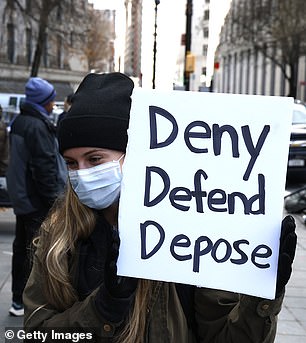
(220, 250)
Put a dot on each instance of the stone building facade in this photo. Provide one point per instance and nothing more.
(132, 55)
(244, 71)
(63, 60)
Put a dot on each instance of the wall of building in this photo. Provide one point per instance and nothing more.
(243, 71)
(132, 56)
(63, 62)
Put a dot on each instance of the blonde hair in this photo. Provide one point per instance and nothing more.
(67, 222)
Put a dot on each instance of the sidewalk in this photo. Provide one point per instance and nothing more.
(292, 319)
(7, 229)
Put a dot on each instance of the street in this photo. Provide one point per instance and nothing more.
(292, 319)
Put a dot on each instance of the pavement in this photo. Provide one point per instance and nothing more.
(291, 322)
(7, 230)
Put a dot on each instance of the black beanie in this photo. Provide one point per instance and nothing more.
(99, 114)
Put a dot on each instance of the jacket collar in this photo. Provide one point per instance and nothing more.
(28, 109)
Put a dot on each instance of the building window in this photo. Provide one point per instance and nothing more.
(283, 83)
(28, 5)
(29, 45)
(10, 4)
(206, 15)
(273, 72)
(45, 52)
(264, 71)
(229, 74)
(72, 9)
(205, 32)
(10, 42)
(241, 65)
(59, 49)
(224, 64)
(72, 39)
(59, 13)
(255, 72)
(205, 49)
(248, 71)
(234, 72)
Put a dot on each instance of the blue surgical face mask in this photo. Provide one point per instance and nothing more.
(97, 187)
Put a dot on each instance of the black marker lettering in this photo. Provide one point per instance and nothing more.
(188, 134)
(166, 180)
(143, 235)
(217, 135)
(180, 241)
(153, 111)
(253, 151)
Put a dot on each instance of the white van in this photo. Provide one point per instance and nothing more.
(10, 103)
(11, 100)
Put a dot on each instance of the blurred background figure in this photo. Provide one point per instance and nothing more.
(3, 145)
(67, 104)
(36, 175)
(4, 156)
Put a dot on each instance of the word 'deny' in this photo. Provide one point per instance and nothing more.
(205, 132)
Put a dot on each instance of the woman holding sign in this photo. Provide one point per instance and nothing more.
(74, 283)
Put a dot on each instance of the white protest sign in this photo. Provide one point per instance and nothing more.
(203, 187)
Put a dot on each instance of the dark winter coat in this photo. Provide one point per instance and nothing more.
(36, 173)
(3, 148)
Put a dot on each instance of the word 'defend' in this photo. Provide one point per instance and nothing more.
(215, 200)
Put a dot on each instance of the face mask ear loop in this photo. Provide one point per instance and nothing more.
(120, 158)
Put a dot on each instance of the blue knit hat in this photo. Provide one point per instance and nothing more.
(39, 91)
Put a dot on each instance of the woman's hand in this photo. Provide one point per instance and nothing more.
(287, 249)
(116, 295)
(117, 286)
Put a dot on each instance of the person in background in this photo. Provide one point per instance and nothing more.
(4, 158)
(74, 282)
(4, 155)
(67, 104)
(36, 175)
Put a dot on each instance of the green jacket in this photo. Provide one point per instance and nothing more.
(222, 317)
